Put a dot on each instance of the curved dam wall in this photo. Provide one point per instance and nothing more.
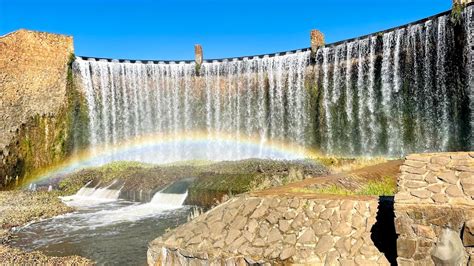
(391, 93)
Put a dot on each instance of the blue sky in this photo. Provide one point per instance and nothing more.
(146, 29)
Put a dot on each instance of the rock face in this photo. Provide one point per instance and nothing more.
(434, 209)
(35, 101)
(273, 230)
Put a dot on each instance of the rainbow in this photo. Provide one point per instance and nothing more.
(162, 149)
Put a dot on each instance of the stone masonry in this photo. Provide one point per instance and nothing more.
(434, 209)
(273, 230)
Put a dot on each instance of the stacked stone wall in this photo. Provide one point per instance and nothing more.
(275, 230)
(434, 209)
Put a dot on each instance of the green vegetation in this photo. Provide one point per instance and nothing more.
(385, 187)
(456, 13)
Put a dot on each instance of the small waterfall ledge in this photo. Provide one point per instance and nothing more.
(401, 91)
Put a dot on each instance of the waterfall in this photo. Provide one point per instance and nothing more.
(94, 194)
(391, 93)
(169, 199)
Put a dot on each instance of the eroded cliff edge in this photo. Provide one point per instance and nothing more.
(39, 106)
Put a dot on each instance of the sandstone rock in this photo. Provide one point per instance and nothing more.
(439, 198)
(422, 194)
(454, 191)
(322, 227)
(260, 211)
(435, 167)
(343, 229)
(424, 231)
(252, 226)
(347, 262)
(219, 244)
(284, 225)
(343, 246)
(295, 203)
(449, 250)
(248, 236)
(259, 242)
(290, 239)
(263, 230)
(324, 244)
(234, 246)
(431, 178)
(250, 205)
(441, 160)
(333, 204)
(383, 261)
(358, 221)
(467, 183)
(291, 214)
(449, 177)
(468, 234)
(331, 258)
(413, 163)
(403, 196)
(460, 156)
(406, 247)
(346, 215)
(356, 247)
(272, 218)
(435, 188)
(413, 170)
(362, 261)
(274, 235)
(286, 253)
(414, 177)
(419, 157)
(229, 216)
(239, 222)
(415, 184)
(231, 236)
(307, 237)
(325, 214)
(298, 221)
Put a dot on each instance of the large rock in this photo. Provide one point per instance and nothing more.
(449, 250)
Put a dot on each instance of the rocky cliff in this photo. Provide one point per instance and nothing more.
(38, 104)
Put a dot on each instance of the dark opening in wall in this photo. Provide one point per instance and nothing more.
(383, 231)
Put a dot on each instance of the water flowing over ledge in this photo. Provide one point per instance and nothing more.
(400, 91)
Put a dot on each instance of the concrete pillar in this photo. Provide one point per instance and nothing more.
(198, 57)
(198, 54)
(317, 40)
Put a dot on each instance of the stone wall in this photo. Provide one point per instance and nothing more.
(34, 101)
(434, 209)
(275, 230)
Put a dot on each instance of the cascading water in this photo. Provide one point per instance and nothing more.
(392, 93)
(130, 100)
